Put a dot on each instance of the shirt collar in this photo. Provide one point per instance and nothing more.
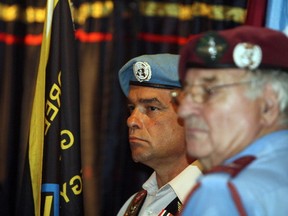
(187, 177)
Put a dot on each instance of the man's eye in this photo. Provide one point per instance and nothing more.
(210, 91)
(130, 108)
(152, 108)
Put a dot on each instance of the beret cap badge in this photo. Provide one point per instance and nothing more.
(142, 71)
(247, 55)
(211, 47)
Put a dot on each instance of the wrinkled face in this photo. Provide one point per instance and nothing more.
(156, 134)
(226, 121)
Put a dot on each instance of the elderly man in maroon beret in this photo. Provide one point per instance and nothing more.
(234, 106)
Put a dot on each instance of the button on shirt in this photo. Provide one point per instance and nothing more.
(159, 199)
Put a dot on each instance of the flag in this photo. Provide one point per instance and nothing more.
(54, 156)
(277, 15)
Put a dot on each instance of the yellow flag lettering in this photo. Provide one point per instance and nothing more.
(51, 110)
(67, 139)
(55, 93)
(63, 193)
(48, 205)
(76, 183)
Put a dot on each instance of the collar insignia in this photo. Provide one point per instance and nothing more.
(136, 204)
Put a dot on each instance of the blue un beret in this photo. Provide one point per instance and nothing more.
(158, 71)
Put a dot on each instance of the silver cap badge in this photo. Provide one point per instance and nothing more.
(247, 55)
(142, 71)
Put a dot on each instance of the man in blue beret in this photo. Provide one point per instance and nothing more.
(234, 105)
(156, 135)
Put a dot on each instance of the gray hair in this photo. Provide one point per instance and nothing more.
(278, 80)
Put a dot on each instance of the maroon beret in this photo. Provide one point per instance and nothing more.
(241, 47)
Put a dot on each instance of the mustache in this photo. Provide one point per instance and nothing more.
(195, 122)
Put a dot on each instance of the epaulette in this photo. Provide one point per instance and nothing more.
(233, 168)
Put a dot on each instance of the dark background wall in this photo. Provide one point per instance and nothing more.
(108, 34)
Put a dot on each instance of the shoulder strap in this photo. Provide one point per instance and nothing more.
(136, 203)
(233, 168)
(173, 208)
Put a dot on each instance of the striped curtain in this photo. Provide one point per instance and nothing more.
(108, 34)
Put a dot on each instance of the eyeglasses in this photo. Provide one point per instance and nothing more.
(201, 93)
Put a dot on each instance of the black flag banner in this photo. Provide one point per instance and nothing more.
(54, 140)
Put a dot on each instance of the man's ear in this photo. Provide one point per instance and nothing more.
(270, 107)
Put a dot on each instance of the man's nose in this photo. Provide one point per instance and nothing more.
(188, 106)
(134, 121)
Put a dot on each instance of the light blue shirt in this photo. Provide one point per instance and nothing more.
(262, 185)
